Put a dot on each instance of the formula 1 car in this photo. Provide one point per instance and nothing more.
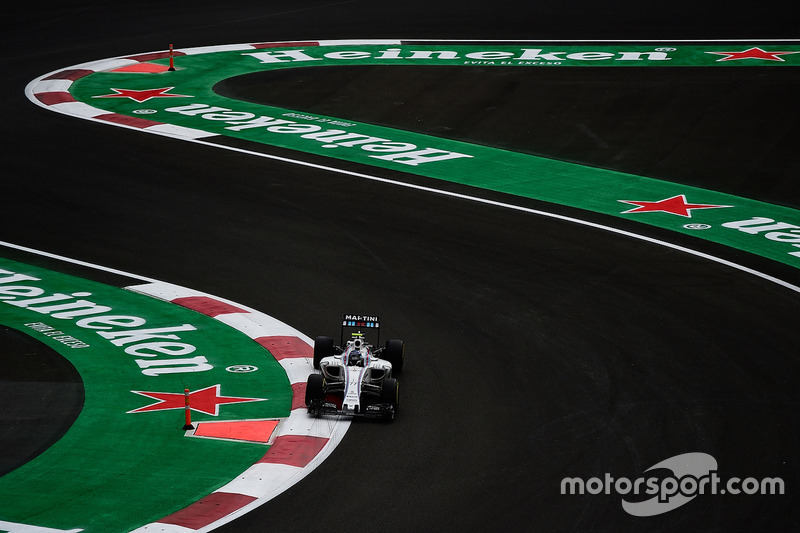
(354, 378)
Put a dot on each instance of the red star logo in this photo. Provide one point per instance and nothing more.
(676, 206)
(752, 53)
(143, 95)
(205, 400)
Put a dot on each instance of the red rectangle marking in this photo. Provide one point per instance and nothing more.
(298, 396)
(207, 306)
(146, 68)
(208, 510)
(55, 97)
(245, 430)
(294, 450)
(284, 346)
(127, 121)
(70, 74)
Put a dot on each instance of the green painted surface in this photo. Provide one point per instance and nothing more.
(110, 457)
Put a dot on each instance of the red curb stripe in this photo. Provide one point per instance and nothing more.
(283, 347)
(298, 396)
(70, 74)
(208, 510)
(207, 306)
(54, 97)
(285, 45)
(294, 450)
(127, 121)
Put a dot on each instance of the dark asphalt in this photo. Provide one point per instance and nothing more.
(536, 349)
(41, 395)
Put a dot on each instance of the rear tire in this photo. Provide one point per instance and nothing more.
(394, 352)
(323, 347)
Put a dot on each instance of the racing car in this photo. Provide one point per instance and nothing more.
(354, 378)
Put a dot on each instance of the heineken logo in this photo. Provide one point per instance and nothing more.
(531, 55)
(522, 56)
(156, 350)
(382, 148)
(770, 229)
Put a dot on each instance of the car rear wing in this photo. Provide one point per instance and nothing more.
(357, 323)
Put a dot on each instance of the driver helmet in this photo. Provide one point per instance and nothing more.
(354, 358)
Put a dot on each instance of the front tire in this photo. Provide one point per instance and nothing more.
(323, 347)
(315, 388)
(390, 393)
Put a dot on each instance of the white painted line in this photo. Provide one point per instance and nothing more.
(299, 423)
(255, 326)
(261, 479)
(49, 86)
(163, 528)
(108, 64)
(78, 109)
(13, 527)
(77, 262)
(360, 42)
(163, 290)
(179, 132)
(296, 368)
(213, 49)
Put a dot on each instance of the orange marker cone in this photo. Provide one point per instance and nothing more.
(188, 410)
(171, 60)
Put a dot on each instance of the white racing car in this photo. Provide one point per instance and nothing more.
(354, 378)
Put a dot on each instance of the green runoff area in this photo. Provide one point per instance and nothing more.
(186, 97)
(111, 456)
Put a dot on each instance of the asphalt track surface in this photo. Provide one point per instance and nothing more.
(41, 394)
(537, 349)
